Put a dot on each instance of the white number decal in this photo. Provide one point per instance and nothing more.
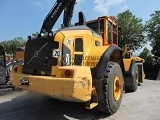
(69, 41)
(56, 53)
(67, 59)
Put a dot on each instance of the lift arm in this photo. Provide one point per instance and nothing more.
(61, 5)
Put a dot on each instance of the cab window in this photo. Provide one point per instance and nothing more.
(127, 55)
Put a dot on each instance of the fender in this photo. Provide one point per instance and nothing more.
(98, 71)
(129, 73)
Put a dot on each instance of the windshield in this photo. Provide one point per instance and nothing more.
(127, 55)
(94, 26)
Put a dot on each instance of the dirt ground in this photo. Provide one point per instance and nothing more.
(144, 104)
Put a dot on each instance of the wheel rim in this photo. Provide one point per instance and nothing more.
(117, 88)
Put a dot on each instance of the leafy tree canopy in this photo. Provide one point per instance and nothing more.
(152, 29)
(12, 45)
(146, 55)
(131, 30)
(35, 34)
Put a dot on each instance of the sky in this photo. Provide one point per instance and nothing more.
(21, 18)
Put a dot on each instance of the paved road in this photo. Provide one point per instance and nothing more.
(144, 104)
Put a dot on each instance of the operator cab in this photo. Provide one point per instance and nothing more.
(107, 27)
(2, 66)
(127, 55)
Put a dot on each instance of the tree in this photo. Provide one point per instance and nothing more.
(146, 55)
(152, 28)
(12, 45)
(131, 30)
(35, 34)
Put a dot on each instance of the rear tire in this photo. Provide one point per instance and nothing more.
(110, 90)
(131, 83)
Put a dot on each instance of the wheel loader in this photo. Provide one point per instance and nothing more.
(128, 60)
(80, 63)
(7, 62)
(127, 55)
(5, 68)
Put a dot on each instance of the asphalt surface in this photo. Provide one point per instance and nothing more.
(144, 104)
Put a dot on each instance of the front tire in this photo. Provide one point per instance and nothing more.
(111, 89)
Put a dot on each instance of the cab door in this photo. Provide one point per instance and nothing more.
(2, 66)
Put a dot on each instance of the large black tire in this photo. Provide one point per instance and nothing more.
(131, 82)
(105, 90)
(140, 72)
